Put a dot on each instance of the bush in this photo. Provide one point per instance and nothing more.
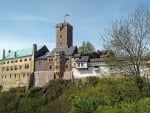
(93, 80)
(84, 105)
(33, 90)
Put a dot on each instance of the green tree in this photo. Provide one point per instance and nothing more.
(86, 48)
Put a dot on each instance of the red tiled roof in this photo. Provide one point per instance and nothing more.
(103, 53)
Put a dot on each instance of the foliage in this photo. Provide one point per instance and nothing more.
(86, 48)
(33, 90)
(84, 105)
(28, 105)
(60, 105)
(99, 95)
(141, 106)
(93, 80)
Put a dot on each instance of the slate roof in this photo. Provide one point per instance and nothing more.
(67, 51)
(76, 56)
(20, 53)
(83, 59)
(43, 56)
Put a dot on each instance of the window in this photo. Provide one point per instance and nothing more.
(50, 67)
(29, 59)
(20, 60)
(26, 66)
(81, 64)
(40, 63)
(23, 75)
(60, 36)
(3, 68)
(20, 67)
(56, 67)
(60, 43)
(16, 61)
(51, 59)
(25, 59)
(11, 68)
(66, 58)
(66, 66)
(15, 75)
(3, 62)
(78, 64)
(15, 67)
(7, 68)
(11, 61)
(7, 62)
(60, 29)
(10, 75)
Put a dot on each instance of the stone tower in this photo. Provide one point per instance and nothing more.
(64, 35)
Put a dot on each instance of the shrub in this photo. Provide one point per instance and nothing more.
(84, 105)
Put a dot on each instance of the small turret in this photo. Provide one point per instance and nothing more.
(3, 54)
(15, 54)
(34, 49)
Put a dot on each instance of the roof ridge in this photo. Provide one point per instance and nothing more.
(21, 52)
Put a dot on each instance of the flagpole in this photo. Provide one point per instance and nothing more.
(65, 17)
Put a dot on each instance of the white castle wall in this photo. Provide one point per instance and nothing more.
(91, 71)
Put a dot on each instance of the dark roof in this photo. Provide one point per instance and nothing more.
(43, 56)
(76, 56)
(67, 51)
(83, 59)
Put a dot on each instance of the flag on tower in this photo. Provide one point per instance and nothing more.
(65, 17)
(67, 14)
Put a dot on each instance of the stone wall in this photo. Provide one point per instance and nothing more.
(41, 78)
(67, 75)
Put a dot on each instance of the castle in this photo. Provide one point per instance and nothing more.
(36, 66)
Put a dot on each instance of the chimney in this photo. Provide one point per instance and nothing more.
(3, 54)
(15, 54)
(34, 49)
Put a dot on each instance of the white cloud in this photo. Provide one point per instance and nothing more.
(25, 17)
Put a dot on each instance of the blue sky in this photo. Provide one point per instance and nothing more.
(25, 22)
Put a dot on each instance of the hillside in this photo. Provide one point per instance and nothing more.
(107, 95)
